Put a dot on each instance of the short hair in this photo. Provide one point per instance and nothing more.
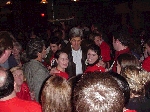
(18, 45)
(8, 85)
(15, 68)
(122, 36)
(6, 42)
(136, 78)
(96, 92)
(56, 95)
(127, 59)
(75, 32)
(34, 46)
(54, 40)
(123, 84)
(95, 48)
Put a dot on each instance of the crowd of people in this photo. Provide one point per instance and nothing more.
(76, 69)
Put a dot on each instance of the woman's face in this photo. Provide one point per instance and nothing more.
(91, 56)
(18, 77)
(62, 61)
(15, 51)
(118, 68)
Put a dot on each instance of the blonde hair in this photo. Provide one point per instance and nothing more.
(136, 78)
(15, 68)
(56, 95)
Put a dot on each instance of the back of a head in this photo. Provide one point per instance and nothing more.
(56, 95)
(122, 36)
(6, 42)
(34, 46)
(75, 32)
(136, 78)
(6, 83)
(98, 92)
(127, 59)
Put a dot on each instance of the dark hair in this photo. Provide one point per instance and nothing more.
(95, 48)
(54, 40)
(58, 33)
(148, 42)
(98, 91)
(122, 36)
(123, 84)
(75, 32)
(34, 46)
(6, 42)
(57, 53)
(8, 87)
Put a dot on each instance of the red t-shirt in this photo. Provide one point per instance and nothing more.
(24, 92)
(146, 64)
(18, 105)
(105, 51)
(94, 68)
(62, 74)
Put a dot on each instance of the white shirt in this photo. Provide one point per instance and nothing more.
(77, 56)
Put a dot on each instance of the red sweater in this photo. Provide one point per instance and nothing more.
(94, 68)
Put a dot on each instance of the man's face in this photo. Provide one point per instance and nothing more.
(97, 40)
(54, 47)
(76, 42)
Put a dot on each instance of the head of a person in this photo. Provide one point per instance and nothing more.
(6, 44)
(36, 49)
(147, 46)
(18, 75)
(97, 38)
(61, 58)
(126, 59)
(123, 84)
(136, 79)
(120, 39)
(6, 83)
(96, 92)
(56, 95)
(93, 54)
(17, 48)
(55, 44)
(75, 35)
(58, 33)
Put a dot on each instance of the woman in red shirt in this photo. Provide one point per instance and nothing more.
(93, 58)
(61, 64)
(21, 87)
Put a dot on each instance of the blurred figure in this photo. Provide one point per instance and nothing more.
(21, 87)
(8, 100)
(137, 80)
(126, 59)
(35, 72)
(96, 92)
(56, 95)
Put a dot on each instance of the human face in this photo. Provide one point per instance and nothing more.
(118, 68)
(54, 47)
(43, 52)
(115, 44)
(147, 48)
(76, 42)
(62, 61)
(97, 40)
(91, 56)
(18, 77)
(15, 51)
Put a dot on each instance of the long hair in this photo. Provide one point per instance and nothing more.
(56, 95)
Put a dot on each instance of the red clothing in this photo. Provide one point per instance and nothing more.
(94, 68)
(117, 53)
(127, 110)
(146, 64)
(18, 105)
(63, 74)
(24, 92)
(105, 51)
